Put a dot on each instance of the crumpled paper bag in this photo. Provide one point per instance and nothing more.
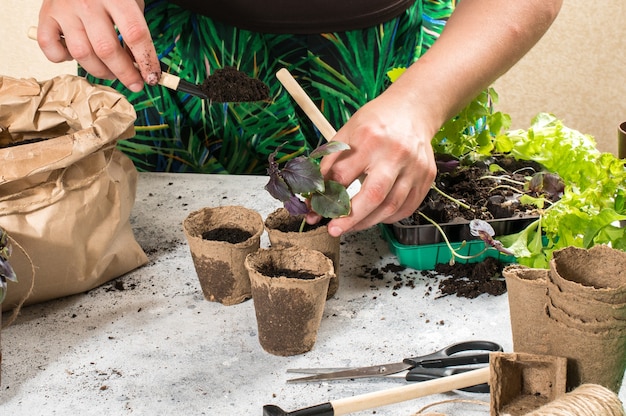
(66, 192)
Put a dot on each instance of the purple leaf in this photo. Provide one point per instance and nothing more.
(485, 232)
(303, 176)
(549, 183)
(278, 188)
(6, 271)
(295, 206)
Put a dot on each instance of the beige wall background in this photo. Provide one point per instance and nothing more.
(577, 71)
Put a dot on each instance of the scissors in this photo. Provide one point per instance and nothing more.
(447, 361)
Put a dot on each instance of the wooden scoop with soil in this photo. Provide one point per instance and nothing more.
(225, 85)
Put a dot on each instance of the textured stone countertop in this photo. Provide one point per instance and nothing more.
(148, 343)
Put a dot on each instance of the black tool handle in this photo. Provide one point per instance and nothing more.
(324, 409)
(449, 356)
(425, 374)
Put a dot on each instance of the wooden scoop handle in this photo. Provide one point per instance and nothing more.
(304, 101)
(410, 391)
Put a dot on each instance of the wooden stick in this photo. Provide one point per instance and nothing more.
(410, 391)
(304, 101)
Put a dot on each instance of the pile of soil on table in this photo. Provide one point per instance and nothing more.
(231, 85)
(467, 280)
(470, 280)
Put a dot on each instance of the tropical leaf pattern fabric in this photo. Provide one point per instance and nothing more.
(176, 132)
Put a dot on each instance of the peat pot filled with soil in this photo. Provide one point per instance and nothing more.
(289, 288)
(219, 239)
(284, 230)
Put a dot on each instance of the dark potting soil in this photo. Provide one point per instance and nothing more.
(490, 195)
(273, 271)
(294, 223)
(230, 85)
(227, 234)
(470, 280)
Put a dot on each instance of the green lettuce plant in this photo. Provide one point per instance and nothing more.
(593, 201)
(583, 200)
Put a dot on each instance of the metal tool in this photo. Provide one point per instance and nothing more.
(453, 359)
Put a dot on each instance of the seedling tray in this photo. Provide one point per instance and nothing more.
(427, 256)
(455, 231)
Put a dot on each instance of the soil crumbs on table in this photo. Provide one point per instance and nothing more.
(468, 280)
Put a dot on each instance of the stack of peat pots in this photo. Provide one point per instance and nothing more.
(586, 303)
(577, 310)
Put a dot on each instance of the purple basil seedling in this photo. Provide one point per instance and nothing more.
(301, 179)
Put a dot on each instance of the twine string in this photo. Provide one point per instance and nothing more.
(586, 400)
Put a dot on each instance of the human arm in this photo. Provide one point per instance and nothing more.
(85, 31)
(390, 136)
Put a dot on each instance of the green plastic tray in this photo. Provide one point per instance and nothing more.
(427, 256)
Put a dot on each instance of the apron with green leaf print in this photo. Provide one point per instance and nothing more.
(176, 132)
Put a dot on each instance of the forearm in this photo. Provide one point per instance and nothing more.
(482, 40)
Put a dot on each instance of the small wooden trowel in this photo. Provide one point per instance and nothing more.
(224, 85)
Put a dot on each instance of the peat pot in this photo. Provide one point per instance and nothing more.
(289, 289)
(219, 239)
(283, 231)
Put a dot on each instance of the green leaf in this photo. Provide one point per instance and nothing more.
(334, 202)
(328, 148)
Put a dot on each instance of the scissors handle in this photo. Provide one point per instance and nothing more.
(447, 357)
(425, 374)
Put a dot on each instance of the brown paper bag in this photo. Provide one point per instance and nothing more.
(65, 200)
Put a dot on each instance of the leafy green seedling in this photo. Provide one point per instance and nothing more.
(300, 179)
(6, 271)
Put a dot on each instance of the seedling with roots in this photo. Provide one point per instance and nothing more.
(301, 180)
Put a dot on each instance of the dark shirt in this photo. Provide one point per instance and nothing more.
(298, 16)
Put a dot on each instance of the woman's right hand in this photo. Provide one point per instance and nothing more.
(85, 31)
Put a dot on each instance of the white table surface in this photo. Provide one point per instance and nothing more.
(159, 348)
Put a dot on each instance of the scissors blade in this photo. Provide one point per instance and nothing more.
(359, 372)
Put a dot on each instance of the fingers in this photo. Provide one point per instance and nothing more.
(86, 32)
(382, 200)
(397, 170)
(137, 38)
(52, 44)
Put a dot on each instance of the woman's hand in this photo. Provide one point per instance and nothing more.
(390, 136)
(85, 31)
(390, 146)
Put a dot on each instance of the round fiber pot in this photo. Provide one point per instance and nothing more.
(289, 287)
(594, 355)
(598, 273)
(526, 291)
(590, 323)
(582, 308)
(219, 239)
(283, 231)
